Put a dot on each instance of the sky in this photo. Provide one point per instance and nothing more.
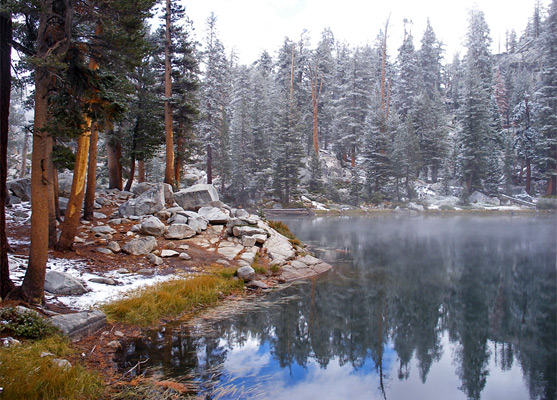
(251, 26)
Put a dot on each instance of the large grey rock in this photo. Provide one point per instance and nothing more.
(81, 324)
(63, 284)
(103, 230)
(179, 231)
(140, 246)
(215, 216)
(141, 188)
(279, 248)
(240, 231)
(178, 219)
(246, 273)
(196, 221)
(480, 198)
(148, 202)
(195, 196)
(21, 188)
(153, 226)
(65, 180)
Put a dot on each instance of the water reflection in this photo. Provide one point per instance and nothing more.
(427, 307)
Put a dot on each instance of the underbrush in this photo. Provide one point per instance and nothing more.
(547, 203)
(24, 324)
(28, 372)
(148, 305)
(284, 230)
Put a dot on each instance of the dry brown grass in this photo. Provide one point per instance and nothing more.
(170, 299)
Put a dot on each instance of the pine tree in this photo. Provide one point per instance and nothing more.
(406, 87)
(546, 118)
(475, 118)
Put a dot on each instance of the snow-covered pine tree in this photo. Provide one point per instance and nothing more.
(214, 99)
(261, 123)
(287, 146)
(546, 117)
(326, 67)
(241, 145)
(474, 116)
(405, 158)
(406, 84)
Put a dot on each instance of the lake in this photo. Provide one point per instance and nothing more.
(424, 307)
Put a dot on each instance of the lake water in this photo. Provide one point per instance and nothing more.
(428, 307)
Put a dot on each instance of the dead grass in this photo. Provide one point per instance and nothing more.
(148, 305)
(24, 374)
(284, 230)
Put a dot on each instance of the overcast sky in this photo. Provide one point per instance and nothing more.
(251, 26)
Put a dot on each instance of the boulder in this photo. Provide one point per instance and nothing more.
(480, 198)
(103, 230)
(184, 256)
(179, 231)
(215, 216)
(63, 284)
(153, 226)
(141, 188)
(169, 253)
(195, 196)
(178, 219)
(114, 247)
(65, 180)
(148, 202)
(153, 259)
(248, 241)
(21, 188)
(240, 212)
(104, 280)
(240, 231)
(257, 285)
(63, 204)
(140, 246)
(279, 248)
(246, 273)
(81, 324)
(196, 221)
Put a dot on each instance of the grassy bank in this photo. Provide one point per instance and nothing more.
(169, 299)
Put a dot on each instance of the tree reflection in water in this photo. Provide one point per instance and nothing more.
(403, 291)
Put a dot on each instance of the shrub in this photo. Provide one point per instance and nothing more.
(547, 203)
(24, 324)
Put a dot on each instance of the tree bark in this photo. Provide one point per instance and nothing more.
(169, 170)
(6, 285)
(209, 165)
(23, 170)
(178, 163)
(114, 154)
(33, 282)
(131, 176)
(88, 208)
(141, 171)
(528, 176)
(73, 212)
(53, 204)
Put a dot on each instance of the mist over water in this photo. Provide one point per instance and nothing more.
(416, 307)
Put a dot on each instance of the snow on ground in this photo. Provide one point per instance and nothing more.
(99, 293)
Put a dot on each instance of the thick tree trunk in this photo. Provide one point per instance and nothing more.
(169, 170)
(73, 212)
(114, 154)
(141, 171)
(131, 176)
(88, 208)
(209, 165)
(552, 186)
(33, 283)
(178, 164)
(53, 205)
(6, 285)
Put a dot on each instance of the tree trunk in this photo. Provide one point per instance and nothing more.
(73, 212)
(178, 164)
(528, 176)
(209, 165)
(552, 186)
(353, 161)
(114, 154)
(434, 173)
(23, 170)
(141, 171)
(169, 170)
(53, 204)
(6, 285)
(131, 176)
(88, 208)
(33, 282)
